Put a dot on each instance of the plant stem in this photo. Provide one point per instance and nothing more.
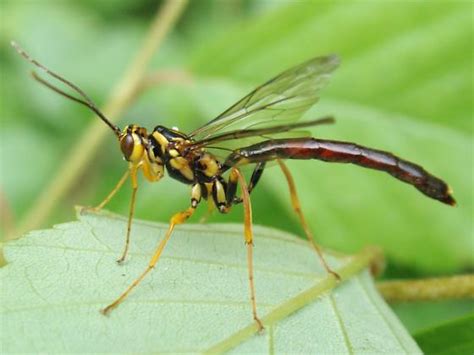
(440, 288)
(121, 97)
(165, 76)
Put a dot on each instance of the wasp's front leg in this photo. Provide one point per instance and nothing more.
(133, 175)
(153, 171)
(111, 194)
(176, 219)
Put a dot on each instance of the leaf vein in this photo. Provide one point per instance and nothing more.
(347, 341)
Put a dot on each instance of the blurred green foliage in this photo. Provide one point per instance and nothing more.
(450, 338)
(405, 85)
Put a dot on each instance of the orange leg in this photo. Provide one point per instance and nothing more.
(133, 175)
(178, 218)
(297, 207)
(112, 193)
(132, 171)
(248, 240)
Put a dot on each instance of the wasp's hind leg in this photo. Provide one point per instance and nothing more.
(295, 202)
(176, 219)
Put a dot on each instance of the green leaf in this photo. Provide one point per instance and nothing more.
(195, 300)
(453, 338)
(418, 316)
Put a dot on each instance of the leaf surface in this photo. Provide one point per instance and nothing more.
(196, 300)
(454, 337)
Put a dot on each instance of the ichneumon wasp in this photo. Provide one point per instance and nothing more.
(262, 118)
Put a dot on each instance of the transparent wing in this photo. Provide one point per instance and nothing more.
(282, 99)
(254, 135)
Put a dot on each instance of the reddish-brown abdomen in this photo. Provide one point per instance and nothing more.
(345, 152)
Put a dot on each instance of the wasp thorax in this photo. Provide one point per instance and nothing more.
(132, 143)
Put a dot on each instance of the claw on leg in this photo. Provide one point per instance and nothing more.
(259, 323)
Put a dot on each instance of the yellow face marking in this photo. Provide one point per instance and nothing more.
(138, 149)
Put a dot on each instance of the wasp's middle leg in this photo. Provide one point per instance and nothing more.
(254, 179)
(297, 207)
(235, 178)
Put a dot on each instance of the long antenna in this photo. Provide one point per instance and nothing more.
(86, 100)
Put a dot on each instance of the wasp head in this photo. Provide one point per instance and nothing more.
(133, 143)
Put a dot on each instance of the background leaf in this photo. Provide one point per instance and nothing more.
(57, 280)
(452, 338)
(419, 316)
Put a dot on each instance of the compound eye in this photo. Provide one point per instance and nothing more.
(126, 145)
